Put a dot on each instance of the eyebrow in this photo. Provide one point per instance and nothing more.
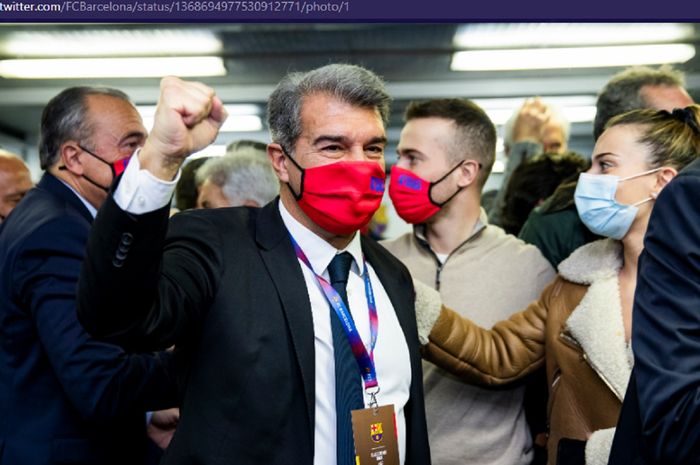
(602, 154)
(139, 134)
(345, 140)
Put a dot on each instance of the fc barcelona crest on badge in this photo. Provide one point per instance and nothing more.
(376, 432)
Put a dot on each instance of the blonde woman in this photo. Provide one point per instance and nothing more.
(581, 325)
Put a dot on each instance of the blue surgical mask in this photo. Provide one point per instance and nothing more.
(597, 207)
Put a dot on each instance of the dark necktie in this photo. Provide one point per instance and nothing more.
(348, 386)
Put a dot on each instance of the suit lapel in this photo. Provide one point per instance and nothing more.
(282, 264)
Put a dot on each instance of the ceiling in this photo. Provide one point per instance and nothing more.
(414, 59)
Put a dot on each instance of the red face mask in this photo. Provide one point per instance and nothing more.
(341, 197)
(411, 195)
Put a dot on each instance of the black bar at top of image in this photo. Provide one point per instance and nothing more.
(344, 10)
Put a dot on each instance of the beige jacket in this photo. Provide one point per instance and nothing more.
(576, 326)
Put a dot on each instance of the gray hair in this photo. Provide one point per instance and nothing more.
(239, 144)
(241, 177)
(350, 83)
(622, 93)
(556, 115)
(64, 118)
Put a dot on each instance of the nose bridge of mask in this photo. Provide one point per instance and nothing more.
(602, 186)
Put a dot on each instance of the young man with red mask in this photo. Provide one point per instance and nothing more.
(446, 152)
(254, 298)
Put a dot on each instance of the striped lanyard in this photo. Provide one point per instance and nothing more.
(365, 361)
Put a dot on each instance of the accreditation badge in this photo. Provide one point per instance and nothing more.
(376, 439)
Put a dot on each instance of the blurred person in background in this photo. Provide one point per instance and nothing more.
(534, 181)
(534, 128)
(236, 180)
(15, 182)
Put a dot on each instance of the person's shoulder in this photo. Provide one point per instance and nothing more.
(692, 170)
(225, 218)
(496, 239)
(596, 260)
(681, 193)
(390, 260)
(398, 245)
(43, 216)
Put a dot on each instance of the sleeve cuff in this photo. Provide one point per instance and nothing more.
(428, 306)
(140, 192)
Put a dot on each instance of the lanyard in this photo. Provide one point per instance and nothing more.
(365, 361)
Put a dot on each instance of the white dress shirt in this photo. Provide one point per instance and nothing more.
(140, 192)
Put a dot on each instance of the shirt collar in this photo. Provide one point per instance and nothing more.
(480, 225)
(317, 250)
(91, 209)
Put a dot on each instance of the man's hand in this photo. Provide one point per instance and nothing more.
(188, 118)
(162, 426)
(532, 117)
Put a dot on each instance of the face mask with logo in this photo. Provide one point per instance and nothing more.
(116, 167)
(340, 197)
(597, 207)
(412, 195)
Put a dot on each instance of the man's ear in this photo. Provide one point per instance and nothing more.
(279, 161)
(69, 158)
(663, 177)
(468, 173)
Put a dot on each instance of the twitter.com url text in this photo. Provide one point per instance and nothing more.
(178, 7)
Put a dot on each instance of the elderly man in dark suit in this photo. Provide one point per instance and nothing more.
(64, 396)
(659, 420)
(252, 297)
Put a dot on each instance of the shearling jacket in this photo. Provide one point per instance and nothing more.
(576, 327)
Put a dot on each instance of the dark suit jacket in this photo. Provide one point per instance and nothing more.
(660, 419)
(64, 396)
(226, 287)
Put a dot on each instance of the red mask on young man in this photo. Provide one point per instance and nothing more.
(411, 197)
(341, 197)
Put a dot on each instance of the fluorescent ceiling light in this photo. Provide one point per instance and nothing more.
(515, 102)
(242, 118)
(242, 123)
(510, 35)
(578, 57)
(112, 43)
(498, 166)
(575, 108)
(574, 114)
(77, 68)
(232, 109)
(209, 151)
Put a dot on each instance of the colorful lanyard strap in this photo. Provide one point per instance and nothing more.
(365, 361)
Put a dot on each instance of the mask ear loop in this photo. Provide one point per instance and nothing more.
(303, 174)
(643, 173)
(433, 184)
(652, 196)
(106, 189)
(87, 178)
